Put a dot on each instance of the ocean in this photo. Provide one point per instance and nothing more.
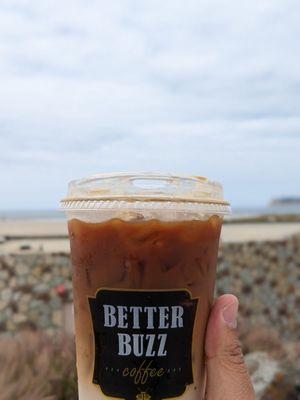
(283, 209)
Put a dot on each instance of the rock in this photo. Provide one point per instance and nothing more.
(10, 326)
(285, 386)
(37, 271)
(41, 288)
(35, 304)
(66, 271)
(57, 280)
(47, 277)
(50, 332)
(6, 294)
(55, 303)
(45, 309)
(64, 261)
(22, 269)
(7, 312)
(44, 321)
(264, 275)
(4, 275)
(26, 298)
(57, 318)
(19, 318)
(23, 308)
(22, 280)
(263, 370)
(13, 282)
(32, 280)
(3, 305)
(33, 315)
(16, 297)
(68, 284)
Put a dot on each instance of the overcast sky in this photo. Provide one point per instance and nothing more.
(200, 87)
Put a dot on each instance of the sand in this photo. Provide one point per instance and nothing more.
(246, 232)
(51, 235)
(28, 227)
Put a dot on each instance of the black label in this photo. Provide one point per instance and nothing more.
(143, 343)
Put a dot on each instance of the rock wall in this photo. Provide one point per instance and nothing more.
(266, 278)
(35, 289)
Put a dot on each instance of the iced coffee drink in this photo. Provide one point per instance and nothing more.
(144, 252)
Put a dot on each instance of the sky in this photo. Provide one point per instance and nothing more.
(201, 87)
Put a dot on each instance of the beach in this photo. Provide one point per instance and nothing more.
(52, 236)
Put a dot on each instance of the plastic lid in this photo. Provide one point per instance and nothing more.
(94, 191)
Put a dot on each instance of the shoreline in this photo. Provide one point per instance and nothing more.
(269, 218)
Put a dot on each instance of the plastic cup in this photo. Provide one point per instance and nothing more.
(144, 253)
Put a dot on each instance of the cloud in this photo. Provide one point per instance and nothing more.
(209, 88)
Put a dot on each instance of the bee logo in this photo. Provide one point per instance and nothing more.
(143, 396)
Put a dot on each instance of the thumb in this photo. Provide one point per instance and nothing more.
(227, 375)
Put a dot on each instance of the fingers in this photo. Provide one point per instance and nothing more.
(227, 375)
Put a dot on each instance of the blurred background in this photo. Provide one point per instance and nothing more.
(205, 88)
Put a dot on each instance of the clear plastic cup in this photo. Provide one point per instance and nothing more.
(144, 253)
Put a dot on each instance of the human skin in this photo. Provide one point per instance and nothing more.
(227, 375)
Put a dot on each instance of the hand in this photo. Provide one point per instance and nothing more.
(227, 375)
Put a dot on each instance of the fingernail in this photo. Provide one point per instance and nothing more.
(230, 314)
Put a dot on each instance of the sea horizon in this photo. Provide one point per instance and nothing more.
(52, 214)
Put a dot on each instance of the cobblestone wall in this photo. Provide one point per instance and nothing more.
(266, 278)
(35, 289)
